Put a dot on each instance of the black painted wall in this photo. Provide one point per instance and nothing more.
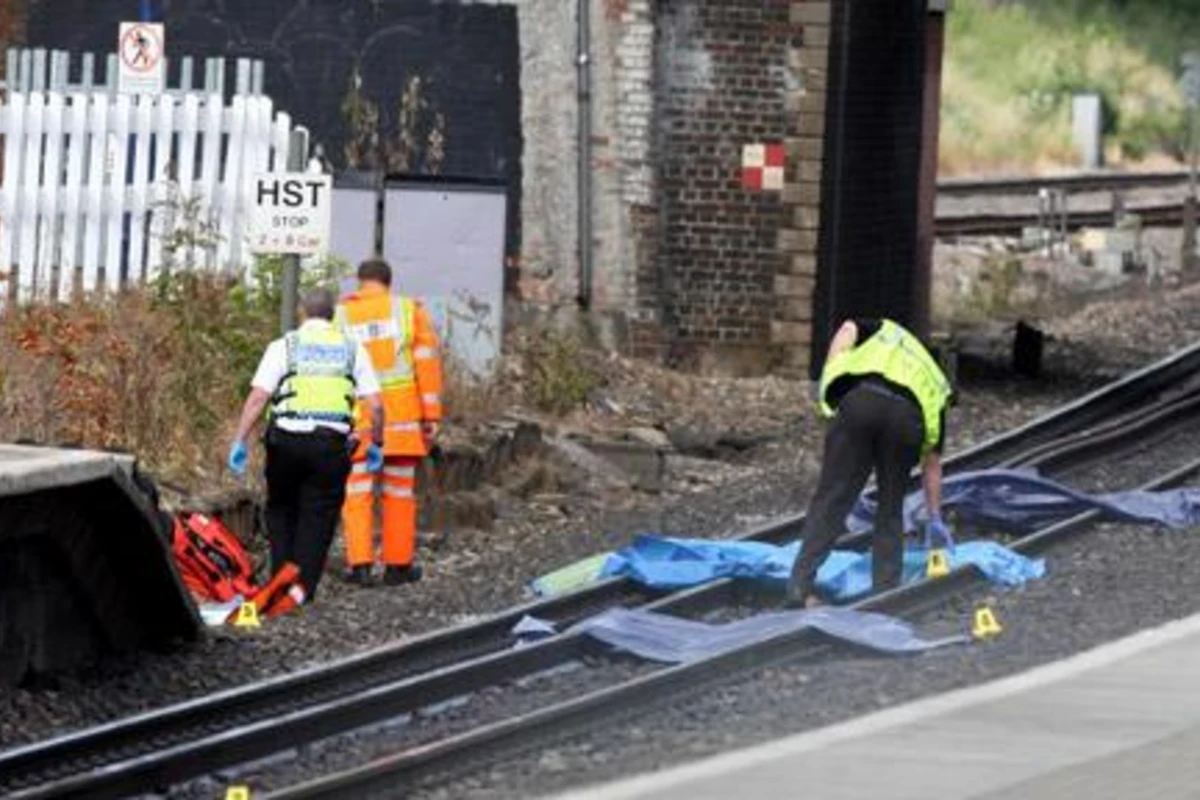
(867, 250)
(466, 57)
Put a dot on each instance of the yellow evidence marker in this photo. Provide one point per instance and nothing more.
(986, 625)
(237, 793)
(937, 566)
(247, 616)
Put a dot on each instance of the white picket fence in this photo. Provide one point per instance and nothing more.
(95, 184)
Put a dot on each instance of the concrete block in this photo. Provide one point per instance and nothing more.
(810, 12)
(643, 464)
(794, 286)
(812, 102)
(807, 217)
(797, 241)
(816, 36)
(87, 568)
(802, 264)
(796, 193)
(812, 123)
(791, 333)
(809, 171)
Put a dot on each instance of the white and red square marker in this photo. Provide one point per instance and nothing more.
(762, 167)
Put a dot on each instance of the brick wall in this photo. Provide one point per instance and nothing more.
(732, 270)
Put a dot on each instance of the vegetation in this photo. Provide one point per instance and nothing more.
(1011, 69)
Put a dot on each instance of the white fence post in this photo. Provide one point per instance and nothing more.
(93, 179)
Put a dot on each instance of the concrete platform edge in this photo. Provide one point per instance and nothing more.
(647, 785)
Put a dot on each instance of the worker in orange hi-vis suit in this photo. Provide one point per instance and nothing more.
(399, 336)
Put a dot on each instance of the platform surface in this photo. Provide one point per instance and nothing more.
(29, 469)
(1121, 721)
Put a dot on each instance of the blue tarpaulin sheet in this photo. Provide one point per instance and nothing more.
(662, 637)
(1022, 501)
(669, 563)
(1010, 501)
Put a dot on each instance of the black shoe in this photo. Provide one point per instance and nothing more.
(797, 597)
(360, 575)
(397, 576)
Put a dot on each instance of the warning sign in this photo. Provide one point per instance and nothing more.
(141, 58)
(291, 213)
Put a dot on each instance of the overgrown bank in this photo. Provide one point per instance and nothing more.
(1012, 66)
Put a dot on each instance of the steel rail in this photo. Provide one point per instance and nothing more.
(1154, 424)
(166, 730)
(1077, 182)
(466, 751)
(195, 748)
(991, 224)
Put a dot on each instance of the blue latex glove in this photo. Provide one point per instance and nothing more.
(238, 456)
(938, 529)
(374, 458)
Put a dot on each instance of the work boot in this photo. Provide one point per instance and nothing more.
(359, 575)
(397, 575)
(797, 597)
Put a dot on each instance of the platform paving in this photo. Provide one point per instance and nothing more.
(1121, 721)
(30, 469)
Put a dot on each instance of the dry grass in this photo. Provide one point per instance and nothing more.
(159, 373)
(1011, 69)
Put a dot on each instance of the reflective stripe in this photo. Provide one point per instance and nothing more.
(389, 328)
(424, 353)
(397, 491)
(357, 487)
(431, 399)
(404, 426)
(400, 472)
(359, 468)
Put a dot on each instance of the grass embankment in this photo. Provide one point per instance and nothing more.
(161, 372)
(1011, 69)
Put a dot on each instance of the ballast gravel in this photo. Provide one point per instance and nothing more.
(1101, 586)
(474, 573)
(661, 738)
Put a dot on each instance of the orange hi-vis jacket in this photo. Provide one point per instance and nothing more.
(399, 336)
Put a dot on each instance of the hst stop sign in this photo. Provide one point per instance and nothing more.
(290, 213)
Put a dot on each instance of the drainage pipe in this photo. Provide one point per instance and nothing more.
(584, 182)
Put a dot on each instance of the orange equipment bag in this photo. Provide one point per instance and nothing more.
(212, 562)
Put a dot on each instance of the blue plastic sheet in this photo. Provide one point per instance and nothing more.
(669, 563)
(1022, 501)
(662, 637)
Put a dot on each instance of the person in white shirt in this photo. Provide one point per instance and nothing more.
(311, 379)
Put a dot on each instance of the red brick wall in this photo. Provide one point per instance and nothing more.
(724, 72)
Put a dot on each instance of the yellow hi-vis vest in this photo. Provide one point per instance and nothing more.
(319, 384)
(895, 354)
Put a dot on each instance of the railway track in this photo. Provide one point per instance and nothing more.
(165, 747)
(1080, 182)
(1168, 215)
(420, 765)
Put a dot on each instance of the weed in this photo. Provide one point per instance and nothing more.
(558, 377)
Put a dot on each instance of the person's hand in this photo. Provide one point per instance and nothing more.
(430, 431)
(938, 529)
(238, 456)
(374, 458)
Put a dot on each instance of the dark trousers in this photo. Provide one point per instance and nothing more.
(873, 429)
(306, 484)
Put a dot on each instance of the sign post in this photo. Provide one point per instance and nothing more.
(1191, 90)
(141, 58)
(290, 216)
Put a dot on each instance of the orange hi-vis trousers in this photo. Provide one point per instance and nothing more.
(398, 487)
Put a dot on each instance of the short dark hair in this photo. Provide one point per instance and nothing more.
(319, 304)
(375, 269)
